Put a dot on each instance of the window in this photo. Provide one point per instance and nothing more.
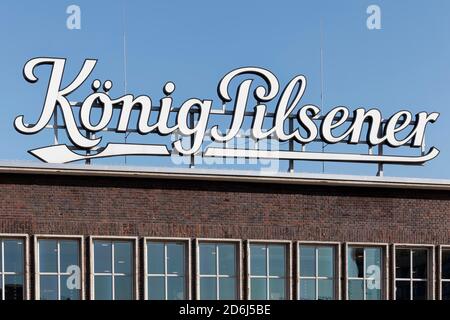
(316, 268)
(59, 269)
(113, 270)
(364, 273)
(166, 271)
(12, 269)
(218, 271)
(411, 274)
(268, 272)
(445, 274)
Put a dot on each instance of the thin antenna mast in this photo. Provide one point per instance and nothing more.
(124, 62)
(321, 84)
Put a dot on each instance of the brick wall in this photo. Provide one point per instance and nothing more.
(50, 204)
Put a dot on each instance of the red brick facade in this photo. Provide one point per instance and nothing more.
(59, 204)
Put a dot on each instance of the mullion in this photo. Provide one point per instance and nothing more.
(58, 262)
(92, 245)
(113, 289)
(299, 280)
(364, 275)
(165, 271)
(267, 273)
(316, 259)
(217, 272)
(411, 282)
(313, 278)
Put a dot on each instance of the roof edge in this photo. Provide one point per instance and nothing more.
(225, 175)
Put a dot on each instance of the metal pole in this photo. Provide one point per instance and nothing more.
(88, 151)
(191, 125)
(380, 172)
(291, 144)
(55, 126)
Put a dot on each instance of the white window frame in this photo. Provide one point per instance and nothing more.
(384, 267)
(336, 266)
(430, 269)
(187, 260)
(25, 239)
(238, 257)
(440, 278)
(37, 272)
(288, 275)
(93, 274)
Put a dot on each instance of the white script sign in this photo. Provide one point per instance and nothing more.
(337, 125)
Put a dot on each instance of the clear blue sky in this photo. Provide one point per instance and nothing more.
(405, 65)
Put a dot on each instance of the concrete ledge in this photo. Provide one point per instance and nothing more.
(224, 175)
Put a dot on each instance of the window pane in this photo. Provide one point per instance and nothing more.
(69, 291)
(13, 287)
(48, 256)
(326, 289)
(102, 257)
(307, 261)
(277, 260)
(356, 262)
(356, 290)
(445, 290)
(69, 254)
(123, 257)
(258, 289)
(373, 261)
(277, 289)
(420, 290)
(307, 289)
(227, 288)
(49, 287)
(175, 288)
(420, 264)
(156, 288)
(123, 287)
(446, 264)
(373, 290)
(258, 260)
(326, 262)
(402, 290)
(207, 258)
(1, 279)
(402, 263)
(175, 258)
(103, 287)
(155, 258)
(208, 290)
(227, 259)
(13, 255)
(373, 273)
(1, 264)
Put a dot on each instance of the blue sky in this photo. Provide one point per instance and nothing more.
(405, 65)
